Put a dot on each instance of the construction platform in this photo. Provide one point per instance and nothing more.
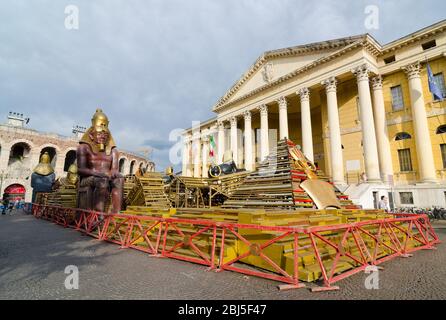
(291, 254)
(283, 222)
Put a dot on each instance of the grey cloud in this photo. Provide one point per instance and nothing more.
(158, 144)
(157, 65)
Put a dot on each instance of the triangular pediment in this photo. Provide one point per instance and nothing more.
(273, 65)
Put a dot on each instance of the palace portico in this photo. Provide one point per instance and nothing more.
(337, 99)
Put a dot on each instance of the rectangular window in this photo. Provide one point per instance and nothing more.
(406, 197)
(443, 154)
(439, 81)
(389, 59)
(428, 45)
(391, 203)
(375, 199)
(405, 160)
(397, 98)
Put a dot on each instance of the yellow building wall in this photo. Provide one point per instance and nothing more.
(406, 125)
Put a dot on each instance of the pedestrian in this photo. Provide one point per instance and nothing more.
(383, 204)
(5, 205)
(363, 177)
(10, 207)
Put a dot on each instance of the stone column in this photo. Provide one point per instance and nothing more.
(249, 166)
(60, 163)
(4, 156)
(264, 141)
(337, 165)
(371, 159)
(421, 126)
(221, 142)
(234, 144)
(283, 118)
(189, 170)
(186, 156)
(34, 157)
(382, 137)
(4, 159)
(126, 169)
(204, 157)
(197, 154)
(307, 132)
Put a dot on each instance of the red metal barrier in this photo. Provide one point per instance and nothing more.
(183, 240)
(374, 241)
(257, 250)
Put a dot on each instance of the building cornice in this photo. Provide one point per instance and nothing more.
(366, 41)
(414, 37)
(288, 52)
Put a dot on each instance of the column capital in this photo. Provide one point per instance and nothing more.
(205, 132)
(196, 136)
(362, 72)
(282, 103)
(187, 138)
(221, 124)
(233, 121)
(213, 128)
(304, 94)
(377, 82)
(263, 110)
(412, 70)
(247, 115)
(330, 84)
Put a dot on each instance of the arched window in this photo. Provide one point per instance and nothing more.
(19, 153)
(402, 136)
(132, 167)
(441, 129)
(121, 165)
(70, 158)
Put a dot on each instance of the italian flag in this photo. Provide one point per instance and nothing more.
(212, 146)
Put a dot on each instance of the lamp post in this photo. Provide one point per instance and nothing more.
(146, 152)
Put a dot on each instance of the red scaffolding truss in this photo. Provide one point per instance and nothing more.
(373, 241)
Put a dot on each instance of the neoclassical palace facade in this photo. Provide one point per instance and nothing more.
(21, 147)
(362, 111)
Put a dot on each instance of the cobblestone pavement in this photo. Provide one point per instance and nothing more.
(34, 254)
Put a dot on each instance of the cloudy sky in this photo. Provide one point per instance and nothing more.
(157, 65)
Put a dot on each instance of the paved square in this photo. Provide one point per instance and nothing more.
(34, 254)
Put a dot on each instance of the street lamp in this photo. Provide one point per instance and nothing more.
(146, 152)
